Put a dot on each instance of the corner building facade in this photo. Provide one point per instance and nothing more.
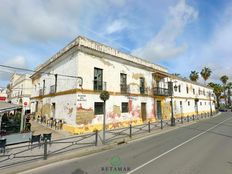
(68, 85)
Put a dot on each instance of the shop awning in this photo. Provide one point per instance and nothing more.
(5, 107)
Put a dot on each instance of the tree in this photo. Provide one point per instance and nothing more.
(205, 73)
(217, 89)
(194, 76)
(228, 87)
(104, 96)
(224, 80)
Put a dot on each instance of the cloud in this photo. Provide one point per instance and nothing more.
(116, 26)
(42, 21)
(164, 43)
(215, 52)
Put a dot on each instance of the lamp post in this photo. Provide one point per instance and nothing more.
(210, 104)
(104, 96)
(170, 88)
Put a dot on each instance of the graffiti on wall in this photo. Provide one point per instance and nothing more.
(68, 109)
(84, 115)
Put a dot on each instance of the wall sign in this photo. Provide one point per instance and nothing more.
(81, 97)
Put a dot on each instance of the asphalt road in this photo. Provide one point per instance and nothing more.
(201, 148)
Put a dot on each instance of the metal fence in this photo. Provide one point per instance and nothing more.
(26, 152)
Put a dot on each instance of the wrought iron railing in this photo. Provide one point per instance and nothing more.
(124, 89)
(52, 89)
(161, 91)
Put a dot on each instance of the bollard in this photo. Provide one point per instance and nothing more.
(149, 126)
(96, 137)
(161, 122)
(181, 118)
(130, 131)
(193, 118)
(187, 118)
(45, 149)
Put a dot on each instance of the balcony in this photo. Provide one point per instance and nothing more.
(52, 89)
(124, 89)
(142, 90)
(41, 92)
(157, 91)
(99, 85)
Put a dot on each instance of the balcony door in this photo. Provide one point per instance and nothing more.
(123, 82)
(98, 77)
(159, 110)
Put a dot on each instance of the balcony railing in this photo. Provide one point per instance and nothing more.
(41, 92)
(99, 85)
(142, 90)
(52, 89)
(124, 89)
(161, 91)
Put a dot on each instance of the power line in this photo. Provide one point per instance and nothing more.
(29, 70)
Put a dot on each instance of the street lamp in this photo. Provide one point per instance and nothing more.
(210, 105)
(170, 88)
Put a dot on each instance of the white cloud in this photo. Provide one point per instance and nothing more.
(215, 53)
(164, 43)
(116, 26)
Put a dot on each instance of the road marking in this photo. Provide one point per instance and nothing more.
(174, 148)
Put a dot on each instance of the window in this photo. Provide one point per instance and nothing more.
(205, 103)
(188, 103)
(193, 91)
(123, 82)
(179, 88)
(142, 86)
(98, 108)
(124, 107)
(98, 76)
(181, 104)
(187, 89)
(200, 103)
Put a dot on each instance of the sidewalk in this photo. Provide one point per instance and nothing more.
(75, 146)
(38, 128)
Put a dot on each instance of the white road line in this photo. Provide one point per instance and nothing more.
(154, 159)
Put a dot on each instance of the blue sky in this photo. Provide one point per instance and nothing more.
(182, 35)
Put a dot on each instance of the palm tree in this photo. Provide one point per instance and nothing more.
(217, 89)
(205, 73)
(228, 87)
(194, 76)
(224, 80)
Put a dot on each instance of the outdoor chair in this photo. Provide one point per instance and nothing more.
(34, 139)
(2, 145)
(47, 136)
(2, 133)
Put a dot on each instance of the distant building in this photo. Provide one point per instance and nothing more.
(20, 90)
(138, 89)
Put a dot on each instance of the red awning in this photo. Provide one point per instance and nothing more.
(2, 98)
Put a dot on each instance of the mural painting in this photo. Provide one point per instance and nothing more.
(84, 116)
(46, 110)
(166, 110)
(68, 110)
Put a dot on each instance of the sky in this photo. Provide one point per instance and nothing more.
(181, 35)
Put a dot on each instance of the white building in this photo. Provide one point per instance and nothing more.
(20, 90)
(138, 89)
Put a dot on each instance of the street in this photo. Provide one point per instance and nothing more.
(202, 148)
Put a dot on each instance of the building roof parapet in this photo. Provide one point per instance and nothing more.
(88, 43)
